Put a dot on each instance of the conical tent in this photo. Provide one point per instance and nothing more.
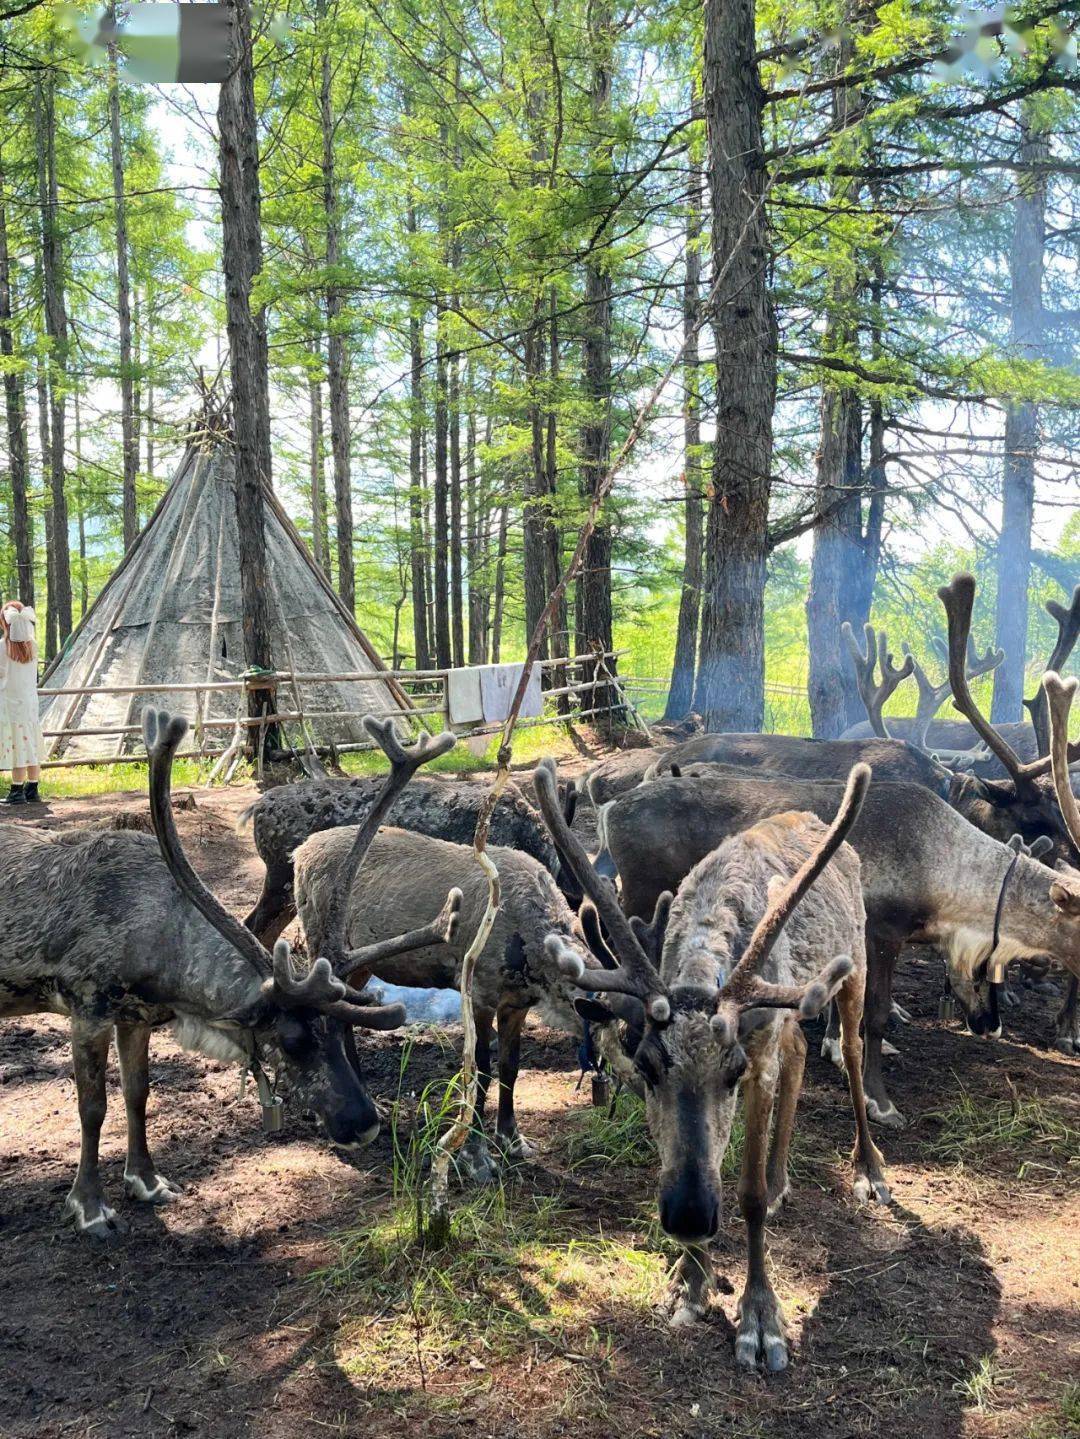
(171, 613)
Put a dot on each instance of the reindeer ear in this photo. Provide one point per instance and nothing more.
(1067, 898)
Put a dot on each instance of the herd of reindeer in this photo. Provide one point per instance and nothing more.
(743, 883)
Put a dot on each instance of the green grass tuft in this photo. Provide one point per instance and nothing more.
(973, 1130)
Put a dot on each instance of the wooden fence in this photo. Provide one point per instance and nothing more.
(576, 688)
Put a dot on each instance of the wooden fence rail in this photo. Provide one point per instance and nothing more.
(574, 691)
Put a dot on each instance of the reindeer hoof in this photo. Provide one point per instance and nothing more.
(151, 1189)
(886, 1114)
(873, 1188)
(93, 1218)
(474, 1163)
(777, 1201)
(899, 1012)
(830, 1050)
(516, 1149)
(685, 1316)
(760, 1337)
(1067, 1044)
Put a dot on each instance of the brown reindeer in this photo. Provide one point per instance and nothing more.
(761, 933)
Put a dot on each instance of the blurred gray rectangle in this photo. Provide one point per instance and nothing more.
(205, 43)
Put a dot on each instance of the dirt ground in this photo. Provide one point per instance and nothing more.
(283, 1296)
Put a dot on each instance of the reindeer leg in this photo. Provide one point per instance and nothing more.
(870, 1182)
(511, 1023)
(881, 956)
(275, 907)
(1067, 1020)
(792, 1064)
(141, 1179)
(760, 1335)
(474, 1160)
(85, 1203)
(692, 1281)
(830, 1045)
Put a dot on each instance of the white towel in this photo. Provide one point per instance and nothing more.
(498, 685)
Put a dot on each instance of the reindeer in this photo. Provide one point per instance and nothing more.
(714, 1020)
(1025, 800)
(513, 973)
(117, 931)
(928, 877)
(619, 772)
(1029, 741)
(284, 817)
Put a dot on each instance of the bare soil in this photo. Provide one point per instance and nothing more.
(956, 1312)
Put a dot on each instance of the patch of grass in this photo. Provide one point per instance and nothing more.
(973, 1130)
(614, 1135)
(530, 744)
(984, 1387)
(516, 1270)
(1065, 1424)
(93, 779)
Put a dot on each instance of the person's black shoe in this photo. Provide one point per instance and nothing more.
(15, 795)
(30, 794)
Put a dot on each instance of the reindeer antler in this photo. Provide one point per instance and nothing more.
(1068, 623)
(441, 930)
(744, 988)
(651, 936)
(1059, 697)
(635, 974)
(931, 695)
(959, 599)
(405, 760)
(874, 694)
(318, 988)
(162, 734)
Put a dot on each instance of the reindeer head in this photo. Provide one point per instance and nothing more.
(689, 1053)
(295, 1024)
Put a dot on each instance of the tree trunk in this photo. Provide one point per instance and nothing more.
(45, 445)
(838, 554)
(593, 618)
(130, 453)
(80, 512)
(500, 582)
(732, 651)
(443, 651)
(150, 415)
(319, 544)
(15, 409)
(836, 562)
(421, 642)
(241, 250)
(475, 528)
(1026, 261)
(336, 368)
(456, 596)
(534, 546)
(56, 325)
(681, 694)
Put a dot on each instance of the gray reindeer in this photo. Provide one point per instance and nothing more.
(118, 932)
(513, 973)
(761, 934)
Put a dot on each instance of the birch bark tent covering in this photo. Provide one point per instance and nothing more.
(172, 612)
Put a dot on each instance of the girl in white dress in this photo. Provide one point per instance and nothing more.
(20, 730)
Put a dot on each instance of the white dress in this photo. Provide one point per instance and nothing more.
(20, 729)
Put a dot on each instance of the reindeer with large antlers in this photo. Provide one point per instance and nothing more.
(118, 932)
(762, 933)
(874, 692)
